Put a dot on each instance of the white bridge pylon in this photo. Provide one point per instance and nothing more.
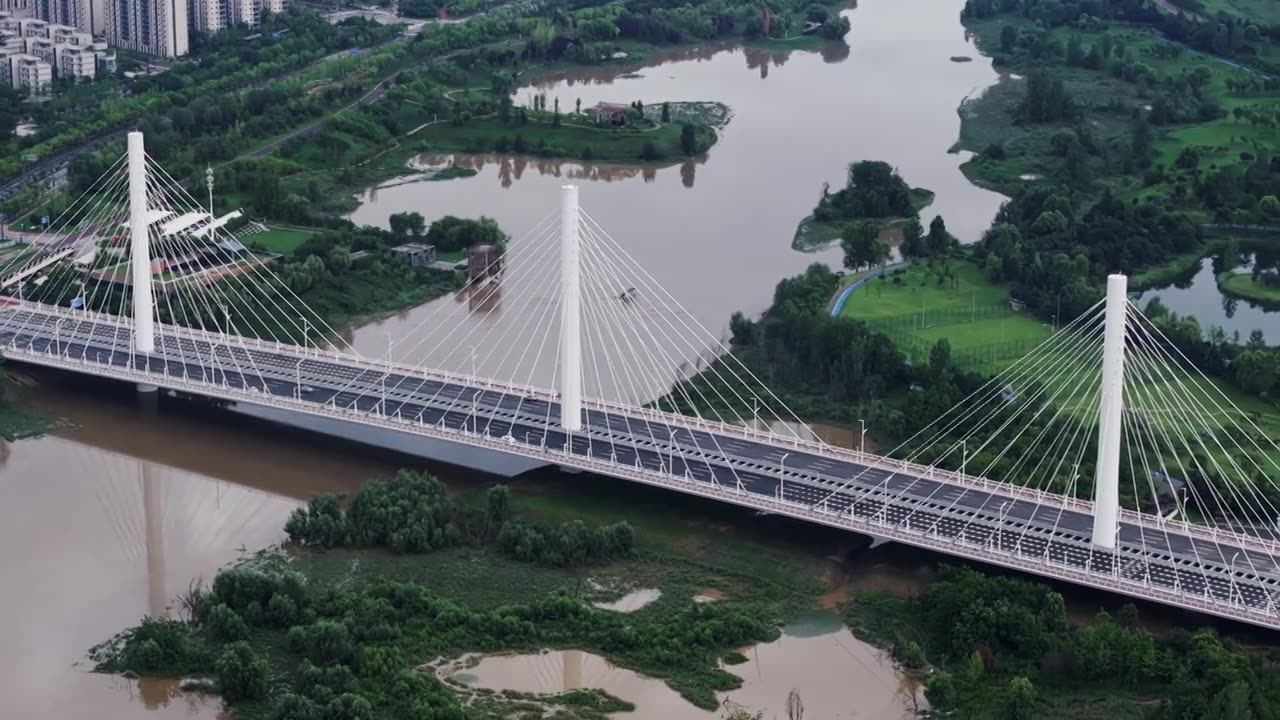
(565, 351)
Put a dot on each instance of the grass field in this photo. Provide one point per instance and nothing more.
(1244, 286)
(968, 310)
(1108, 103)
(1263, 12)
(281, 239)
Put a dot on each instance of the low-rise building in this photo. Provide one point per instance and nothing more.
(30, 72)
(416, 254)
(76, 63)
(11, 40)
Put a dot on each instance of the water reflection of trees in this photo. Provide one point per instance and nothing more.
(511, 167)
(606, 74)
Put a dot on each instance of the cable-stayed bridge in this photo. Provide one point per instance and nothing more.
(1101, 459)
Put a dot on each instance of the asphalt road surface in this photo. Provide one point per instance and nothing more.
(1169, 559)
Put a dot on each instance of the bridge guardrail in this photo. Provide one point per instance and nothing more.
(1040, 497)
(1265, 617)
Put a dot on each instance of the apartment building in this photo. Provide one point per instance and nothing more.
(153, 27)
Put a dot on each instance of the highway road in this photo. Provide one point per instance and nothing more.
(1225, 571)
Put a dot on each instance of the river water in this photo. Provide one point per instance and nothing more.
(714, 232)
(1197, 294)
(111, 520)
(836, 676)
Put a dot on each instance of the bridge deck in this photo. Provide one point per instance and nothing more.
(1222, 573)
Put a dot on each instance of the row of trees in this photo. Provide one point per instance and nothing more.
(569, 545)
(213, 75)
(413, 514)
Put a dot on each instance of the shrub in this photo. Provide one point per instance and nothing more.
(242, 675)
(225, 624)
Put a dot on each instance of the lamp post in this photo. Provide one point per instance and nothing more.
(782, 476)
(57, 341)
(964, 455)
(862, 437)
(298, 379)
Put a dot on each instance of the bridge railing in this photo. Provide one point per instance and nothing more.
(927, 538)
(928, 472)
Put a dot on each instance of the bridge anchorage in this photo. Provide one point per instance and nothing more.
(1102, 458)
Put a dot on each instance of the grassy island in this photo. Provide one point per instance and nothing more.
(405, 574)
(873, 193)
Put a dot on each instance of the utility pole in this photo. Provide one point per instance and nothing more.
(208, 182)
(570, 312)
(1106, 486)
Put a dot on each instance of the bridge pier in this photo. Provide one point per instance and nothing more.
(1106, 486)
(570, 312)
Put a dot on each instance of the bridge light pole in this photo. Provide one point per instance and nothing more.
(570, 311)
(1106, 488)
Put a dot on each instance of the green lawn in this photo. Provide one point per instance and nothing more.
(1262, 12)
(1243, 285)
(968, 310)
(281, 239)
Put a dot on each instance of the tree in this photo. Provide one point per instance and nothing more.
(649, 151)
(816, 13)
(688, 139)
(862, 245)
(407, 223)
(940, 690)
(939, 241)
(913, 245)
(666, 112)
(225, 624)
(1020, 700)
(1140, 145)
(242, 675)
(835, 27)
(1008, 38)
(1258, 370)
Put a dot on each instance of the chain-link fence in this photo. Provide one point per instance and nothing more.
(904, 331)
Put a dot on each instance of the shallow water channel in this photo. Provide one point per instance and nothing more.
(836, 675)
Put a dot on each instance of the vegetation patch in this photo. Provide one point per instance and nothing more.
(340, 631)
(925, 302)
(1002, 648)
(873, 193)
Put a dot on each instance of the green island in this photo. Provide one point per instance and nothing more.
(874, 196)
(378, 589)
